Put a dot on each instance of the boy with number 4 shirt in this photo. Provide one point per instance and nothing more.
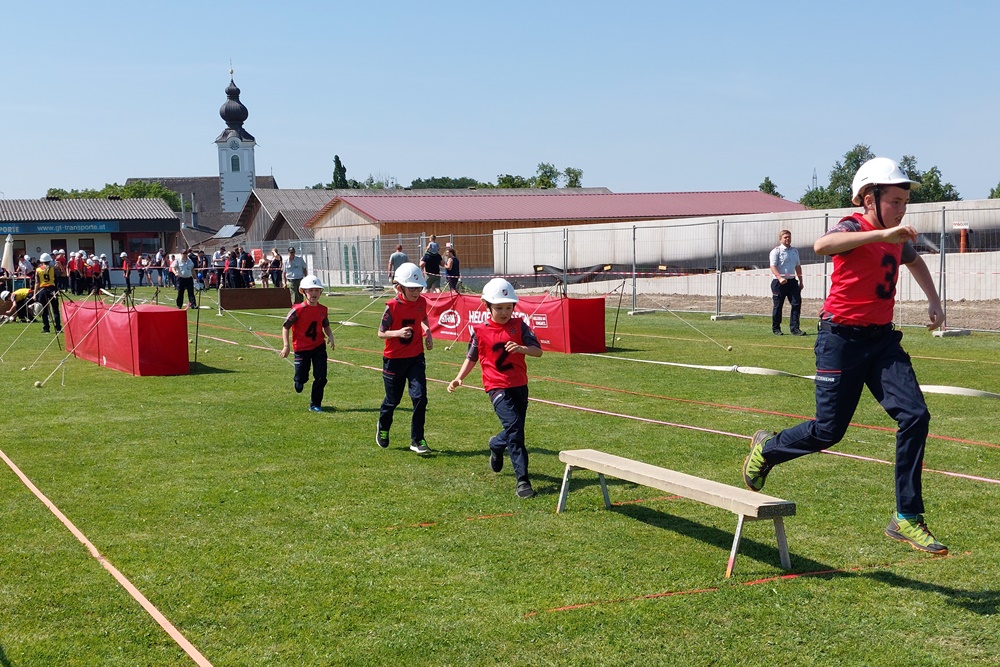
(857, 346)
(307, 322)
(404, 329)
(501, 344)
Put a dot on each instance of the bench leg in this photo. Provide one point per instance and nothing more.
(564, 491)
(604, 490)
(736, 547)
(779, 532)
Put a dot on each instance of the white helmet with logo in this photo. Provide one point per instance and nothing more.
(499, 290)
(45, 258)
(877, 171)
(409, 275)
(310, 282)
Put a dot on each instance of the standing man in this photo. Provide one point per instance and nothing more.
(787, 283)
(430, 264)
(857, 346)
(396, 260)
(219, 264)
(126, 271)
(295, 271)
(183, 270)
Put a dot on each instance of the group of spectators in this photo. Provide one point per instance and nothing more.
(432, 263)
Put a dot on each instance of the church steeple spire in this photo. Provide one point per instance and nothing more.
(236, 152)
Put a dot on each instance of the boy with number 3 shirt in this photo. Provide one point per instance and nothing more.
(501, 344)
(858, 347)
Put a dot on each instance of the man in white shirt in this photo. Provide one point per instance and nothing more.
(183, 269)
(787, 283)
(295, 271)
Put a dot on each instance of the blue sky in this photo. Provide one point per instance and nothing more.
(642, 96)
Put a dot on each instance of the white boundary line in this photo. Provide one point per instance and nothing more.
(174, 633)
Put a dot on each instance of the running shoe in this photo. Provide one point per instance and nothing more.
(381, 437)
(915, 533)
(755, 468)
(420, 447)
(524, 489)
(298, 387)
(315, 408)
(496, 460)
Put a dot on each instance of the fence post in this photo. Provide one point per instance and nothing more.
(826, 258)
(942, 283)
(718, 269)
(565, 259)
(505, 242)
(635, 306)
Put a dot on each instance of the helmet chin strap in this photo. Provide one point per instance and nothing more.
(878, 205)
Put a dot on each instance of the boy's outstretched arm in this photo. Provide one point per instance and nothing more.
(466, 368)
(926, 282)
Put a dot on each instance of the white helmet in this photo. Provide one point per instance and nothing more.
(4, 295)
(45, 258)
(877, 171)
(409, 275)
(310, 282)
(499, 290)
(124, 254)
(35, 308)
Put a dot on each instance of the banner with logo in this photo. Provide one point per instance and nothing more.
(561, 325)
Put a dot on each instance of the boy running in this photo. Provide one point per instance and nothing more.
(857, 346)
(403, 328)
(307, 322)
(500, 344)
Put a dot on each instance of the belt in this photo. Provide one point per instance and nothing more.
(847, 331)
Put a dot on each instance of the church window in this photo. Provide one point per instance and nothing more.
(235, 160)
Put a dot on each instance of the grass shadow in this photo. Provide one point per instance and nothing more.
(198, 368)
(984, 603)
(765, 553)
(4, 662)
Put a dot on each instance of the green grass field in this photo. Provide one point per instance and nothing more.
(269, 535)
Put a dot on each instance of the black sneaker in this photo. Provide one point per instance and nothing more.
(420, 447)
(496, 460)
(778, 332)
(298, 387)
(381, 437)
(524, 489)
(798, 332)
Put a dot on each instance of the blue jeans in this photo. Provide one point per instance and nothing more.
(511, 406)
(315, 357)
(847, 360)
(396, 373)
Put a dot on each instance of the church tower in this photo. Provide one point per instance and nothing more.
(236, 165)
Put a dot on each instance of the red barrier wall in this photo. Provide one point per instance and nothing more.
(142, 340)
(562, 325)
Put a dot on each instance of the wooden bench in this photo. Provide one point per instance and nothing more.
(747, 505)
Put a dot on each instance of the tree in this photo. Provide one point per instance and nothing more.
(931, 188)
(769, 187)
(995, 192)
(547, 176)
(443, 182)
(339, 174)
(133, 190)
(509, 181)
(574, 177)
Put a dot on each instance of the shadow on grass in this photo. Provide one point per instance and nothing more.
(761, 552)
(985, 603)
(198, 368)
(4, 662)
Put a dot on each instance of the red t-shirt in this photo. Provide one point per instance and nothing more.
(307, 324)
(863, 287)
(501, 369)
(400, 313)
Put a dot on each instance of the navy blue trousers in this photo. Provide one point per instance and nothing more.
(316, 358)
(396, 374)
(791, 291)
(845, 364)
(511, 406)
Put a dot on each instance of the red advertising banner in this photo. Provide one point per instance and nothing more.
(561, 325)
(142, 340)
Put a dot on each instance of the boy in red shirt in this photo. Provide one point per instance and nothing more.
(501, 344)
(857, 347)
(404, 327)
(307, 322)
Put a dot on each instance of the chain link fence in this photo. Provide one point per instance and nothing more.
(713, 265)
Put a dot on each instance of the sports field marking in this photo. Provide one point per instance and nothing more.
(167, 626)
(753, 582)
